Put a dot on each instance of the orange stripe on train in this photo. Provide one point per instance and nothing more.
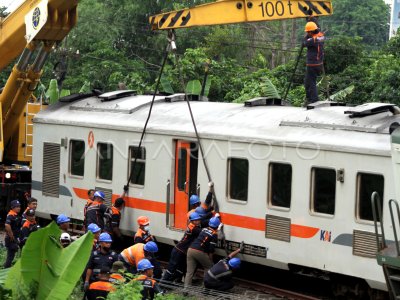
(299, 231)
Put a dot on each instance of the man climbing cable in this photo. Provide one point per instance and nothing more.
(314, 41)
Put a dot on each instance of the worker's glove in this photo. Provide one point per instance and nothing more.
(241, 247)
(126, 188)
(86, 286)
(220, 226)
(211, 184)
(217, 215)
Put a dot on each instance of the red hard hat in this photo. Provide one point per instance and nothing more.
(143, 220)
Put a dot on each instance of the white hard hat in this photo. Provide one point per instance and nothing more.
(65, 237)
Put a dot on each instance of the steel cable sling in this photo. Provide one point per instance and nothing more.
(215, 202)
(170, 47)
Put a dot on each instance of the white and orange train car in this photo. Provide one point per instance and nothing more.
(293, 183)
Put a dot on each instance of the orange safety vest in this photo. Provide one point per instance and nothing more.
(116, 277)
(28, 223)
(133, 254)
(102, 286)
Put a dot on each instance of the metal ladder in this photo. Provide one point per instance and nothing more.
(388, 255)
(29, 128)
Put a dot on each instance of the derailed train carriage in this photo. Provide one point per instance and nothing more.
(293, 183)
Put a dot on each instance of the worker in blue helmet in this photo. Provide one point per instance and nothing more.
(204, 209)
(96, 212)
(96, 230)
(150, 286)
(104, 257)
(201, 250)
(177, 262)
(13, 230)
(63, 222)
(219, 277)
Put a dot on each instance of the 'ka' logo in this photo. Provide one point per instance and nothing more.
(325, 235)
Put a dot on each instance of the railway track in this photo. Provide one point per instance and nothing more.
(244, 289)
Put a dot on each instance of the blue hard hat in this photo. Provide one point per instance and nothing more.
(214, 222)
(234, 263)
(62, 219)
(201, 211)
(194, 199)
(144, 264)
(99, 194)
(94, 228)
(105, 237)
(194, 216)
(151, 247)
(14, 204)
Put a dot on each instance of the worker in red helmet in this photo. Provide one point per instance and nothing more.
(314, 41)
(143, 233)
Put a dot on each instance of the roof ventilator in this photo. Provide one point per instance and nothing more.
(263, 101)
(326, 103)
(181, 97)
(369, 109)
(116, 95)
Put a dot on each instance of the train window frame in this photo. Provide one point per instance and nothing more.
(70, 158)
(357, 202)
(312, 192)
(270, 178)
(98, 162)
(229, 181)
(140, 161)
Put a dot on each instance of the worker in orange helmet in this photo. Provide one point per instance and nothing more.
(143, 233)
(314, 41)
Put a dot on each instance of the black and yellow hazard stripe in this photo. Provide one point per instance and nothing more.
(239, 11)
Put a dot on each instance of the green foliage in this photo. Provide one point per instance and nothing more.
(128, 291)
(367, 19)
(193, 87)
(166, 85)
(45, 268)
(263, 87)
(340, 52)
(342, 94)
(52, 92)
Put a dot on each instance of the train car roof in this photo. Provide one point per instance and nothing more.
(363, 128)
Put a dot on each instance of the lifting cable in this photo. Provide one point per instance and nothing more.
(215, 202)
(170, 47)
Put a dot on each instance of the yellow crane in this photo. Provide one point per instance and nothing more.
(240, 11)
(32, 29)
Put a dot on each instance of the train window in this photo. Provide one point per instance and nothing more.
(238, 171)
(280, 184)
(366, 185)
(323, 190)
(77, 158)
(182, 163)
(104, 161)
(138, 174)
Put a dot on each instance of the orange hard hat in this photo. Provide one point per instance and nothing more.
(143, 220)
(310, 26)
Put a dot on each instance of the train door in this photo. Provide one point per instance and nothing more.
(186, 156)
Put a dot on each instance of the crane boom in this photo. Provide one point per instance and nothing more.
(240, 11)
(35, 24)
